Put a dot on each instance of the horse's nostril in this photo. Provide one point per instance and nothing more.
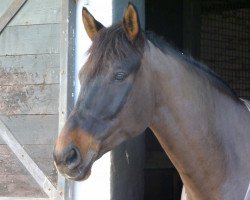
(72, 158)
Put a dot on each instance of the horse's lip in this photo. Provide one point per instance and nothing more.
(82, 175)
(83, 172)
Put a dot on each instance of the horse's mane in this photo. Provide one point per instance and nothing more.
(214, 78)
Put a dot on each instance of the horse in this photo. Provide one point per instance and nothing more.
(133, 80)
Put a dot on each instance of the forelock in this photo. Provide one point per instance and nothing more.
(111, 45)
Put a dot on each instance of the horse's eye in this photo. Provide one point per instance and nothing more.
(120, 76)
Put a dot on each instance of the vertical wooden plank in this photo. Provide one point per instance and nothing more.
(67, 57)
(10, 13)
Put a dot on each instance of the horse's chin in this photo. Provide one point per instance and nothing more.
(82, 175)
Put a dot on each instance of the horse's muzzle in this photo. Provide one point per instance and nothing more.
(74, 154)
(69, 164)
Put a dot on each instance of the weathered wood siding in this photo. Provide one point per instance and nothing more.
(29, 92)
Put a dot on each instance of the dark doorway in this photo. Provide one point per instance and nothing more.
(162, 181)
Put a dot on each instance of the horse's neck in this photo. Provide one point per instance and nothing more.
(196, 126)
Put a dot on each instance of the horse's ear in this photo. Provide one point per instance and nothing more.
(131, 23)
(92, 26)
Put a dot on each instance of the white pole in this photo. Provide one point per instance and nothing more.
(98, 185)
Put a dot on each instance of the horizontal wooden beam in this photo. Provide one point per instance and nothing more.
(38, 12)
(29, 69)
(35, 39)
(29, 99)
(45, 132)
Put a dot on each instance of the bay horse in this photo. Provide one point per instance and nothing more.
(133, 80)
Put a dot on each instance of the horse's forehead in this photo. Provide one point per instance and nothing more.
(101, 59)
(92, 67)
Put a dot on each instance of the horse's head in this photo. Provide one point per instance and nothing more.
(114, 103)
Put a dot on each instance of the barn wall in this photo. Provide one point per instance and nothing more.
(29, 91)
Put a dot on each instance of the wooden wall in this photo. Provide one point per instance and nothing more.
(29, 91)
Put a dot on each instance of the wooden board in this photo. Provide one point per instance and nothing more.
(34, 12)
(38, 12)
(15, 179)
(29, 92)
(29, 69)
(29, 99)
(43, 157)
(44, 129)
(35, 39)
(29, 164)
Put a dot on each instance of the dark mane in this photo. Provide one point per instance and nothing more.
(215, 79)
